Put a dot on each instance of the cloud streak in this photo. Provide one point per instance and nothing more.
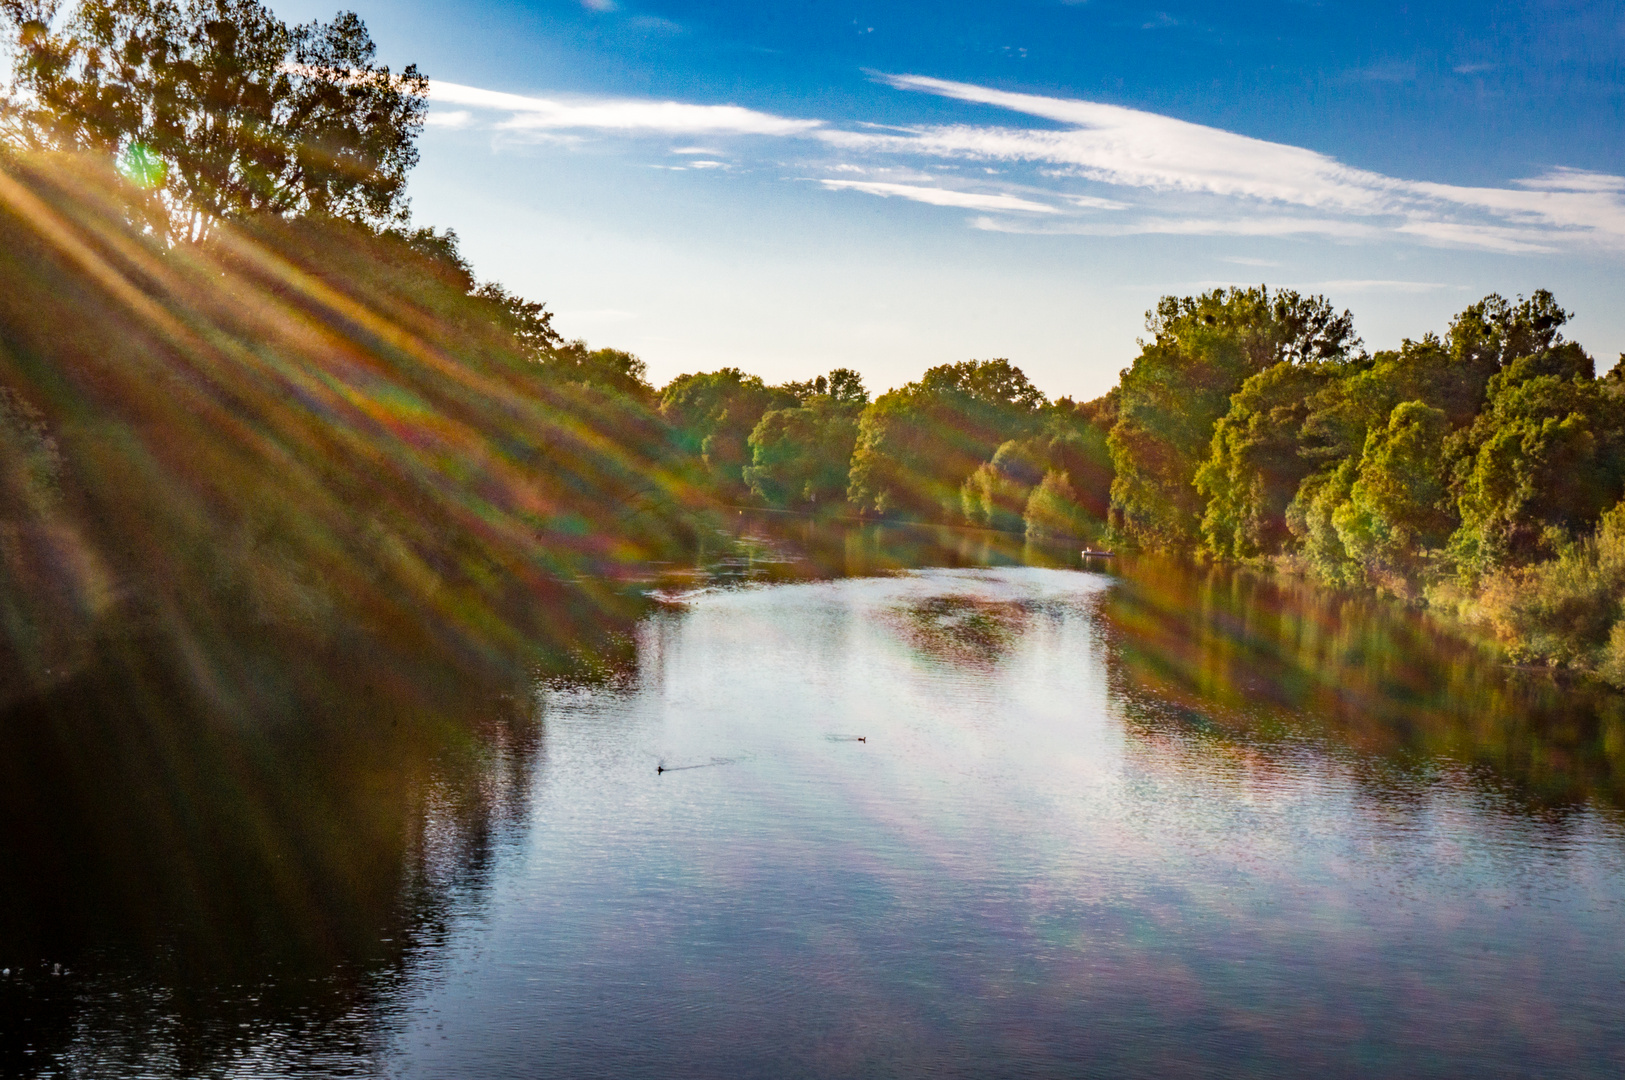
(936, 196)
(626, 116)
(1129, 148)
(1110, 170)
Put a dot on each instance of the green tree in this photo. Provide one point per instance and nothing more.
(995, 495)
(219, 108)
(1257, 462)
(916, 446)
(609, 369)
(1201, 351)
(1350, 540)
(1077, 446)
(530, 325)
(529, 321)
(1311, 517)
(713, 415)
(846, 388)
(1540, 463)
(1398, 506)
(1451, 374)
(1071, 444)
(1567, 610)
(800, 456)
(1055, 513)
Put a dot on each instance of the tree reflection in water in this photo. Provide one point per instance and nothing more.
(964, 630)
(186, 893)
(1239, 655)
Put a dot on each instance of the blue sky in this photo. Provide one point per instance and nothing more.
(886, 186)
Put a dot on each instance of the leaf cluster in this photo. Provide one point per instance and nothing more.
(218, 108)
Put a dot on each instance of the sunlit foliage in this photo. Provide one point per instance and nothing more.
(1055, 512)
(301, 440)
(1450, 375)
(242, 398)
(1569, 610)
(218, 108)
(1398, 507)
(1470, 467)
(1201, 351)
(1540, 462)
(1028, 485)
(1257, 461)
(800, 456)
(714, 414)
(916, 446)
(995, 495)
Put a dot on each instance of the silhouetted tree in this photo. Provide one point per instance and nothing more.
(218, 108)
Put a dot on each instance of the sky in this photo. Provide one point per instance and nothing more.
(792, 187)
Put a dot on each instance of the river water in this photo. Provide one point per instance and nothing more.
(986, 819)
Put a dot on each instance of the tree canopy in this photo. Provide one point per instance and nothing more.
(800, 456)
(916, 446)
(1202, 350)
(218, 108)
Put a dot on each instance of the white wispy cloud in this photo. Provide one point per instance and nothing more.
(1095, 202)
(1129, 148)
(970, 200)
(624, 115)
(1173, 176)
(1487, 237)
(455, 118)
(1249, 225)
(1574, 180)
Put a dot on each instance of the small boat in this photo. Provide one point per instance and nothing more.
(1088, 554)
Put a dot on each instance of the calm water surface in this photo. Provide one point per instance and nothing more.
(986, 821)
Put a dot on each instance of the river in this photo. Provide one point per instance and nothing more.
(829, 811)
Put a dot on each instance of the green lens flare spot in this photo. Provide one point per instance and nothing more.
(141, 166)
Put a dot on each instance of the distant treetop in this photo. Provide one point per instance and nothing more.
(1269, 327)
(989, 382)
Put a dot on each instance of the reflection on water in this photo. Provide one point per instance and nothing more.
(184, 893)
(966, 630)
(817, 815)
(1260, 655)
